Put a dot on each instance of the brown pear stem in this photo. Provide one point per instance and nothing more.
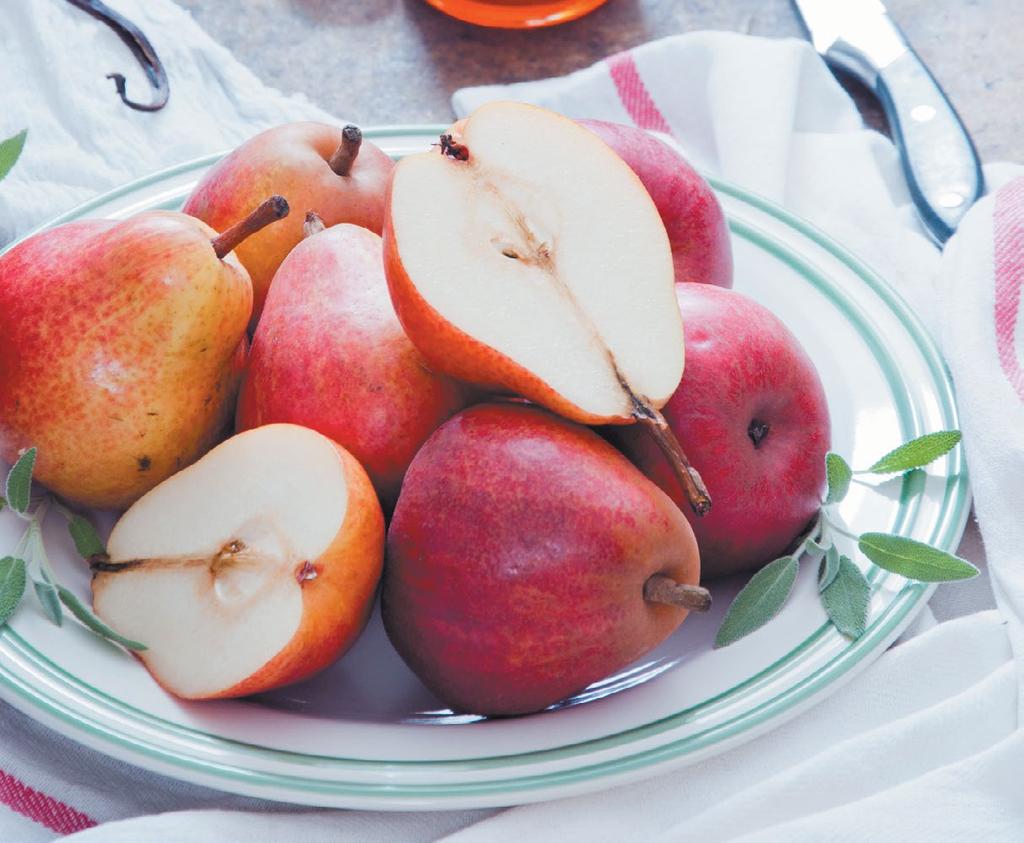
(453, 148)
(314, 224)
(662, 589)
(274, 208)
(345, 155)
(689, 478)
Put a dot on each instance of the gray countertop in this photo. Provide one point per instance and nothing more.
(398, 61)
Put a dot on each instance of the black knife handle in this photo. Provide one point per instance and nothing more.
(939, 159)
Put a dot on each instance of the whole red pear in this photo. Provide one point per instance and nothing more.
(751, 414)
(316, 167)
(527, 558)
(692, 215)
(330, 354)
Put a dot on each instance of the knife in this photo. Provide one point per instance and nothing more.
(939, 159)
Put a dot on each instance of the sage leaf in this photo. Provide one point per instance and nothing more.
(19, 481)
(759, 601)
(10, 151)
(46, 594)
(85, 615)
(815, 548)
(846, 599)
(829, 568)
(917, 453)
(12, 586)
(838, 473)
(87, 541)
(913, 559)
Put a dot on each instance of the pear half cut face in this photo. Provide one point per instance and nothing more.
(543, 246)
(225, 549)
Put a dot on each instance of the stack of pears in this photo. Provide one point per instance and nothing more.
(430, 342)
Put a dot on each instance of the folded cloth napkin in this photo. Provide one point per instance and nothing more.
(924, 744)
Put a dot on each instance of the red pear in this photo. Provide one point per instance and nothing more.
(330, 354)
(692, 215)
(751, 412)
(527, 559)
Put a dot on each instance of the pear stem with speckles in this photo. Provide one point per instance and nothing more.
(345, 155)
(271, 210)
(663, 589)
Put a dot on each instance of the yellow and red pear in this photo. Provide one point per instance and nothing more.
(123, 346)
(317, 167)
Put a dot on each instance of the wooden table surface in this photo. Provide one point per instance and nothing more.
(398, 61)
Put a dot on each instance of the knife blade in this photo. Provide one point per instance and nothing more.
(939, 160)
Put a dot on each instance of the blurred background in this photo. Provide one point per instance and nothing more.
(398, 61)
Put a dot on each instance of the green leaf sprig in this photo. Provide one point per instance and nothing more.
(844, 590)
(30, 562)
(847, 597)
(12, 585)
(838, 475)
(760, 600)
(10, 151)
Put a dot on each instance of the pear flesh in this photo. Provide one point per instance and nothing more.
(209, 570)
(538, 242)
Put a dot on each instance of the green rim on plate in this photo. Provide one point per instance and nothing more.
(189, 753)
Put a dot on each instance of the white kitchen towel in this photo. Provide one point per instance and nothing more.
(924, 744)
(887, 742)
(82, 139)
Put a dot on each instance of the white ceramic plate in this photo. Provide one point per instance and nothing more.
(366, 734)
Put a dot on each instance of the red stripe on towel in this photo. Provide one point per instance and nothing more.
(1008, 258)
(634, 94)
(40, 808)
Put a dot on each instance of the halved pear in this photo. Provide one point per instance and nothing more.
(524, 255)
(253, 568)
